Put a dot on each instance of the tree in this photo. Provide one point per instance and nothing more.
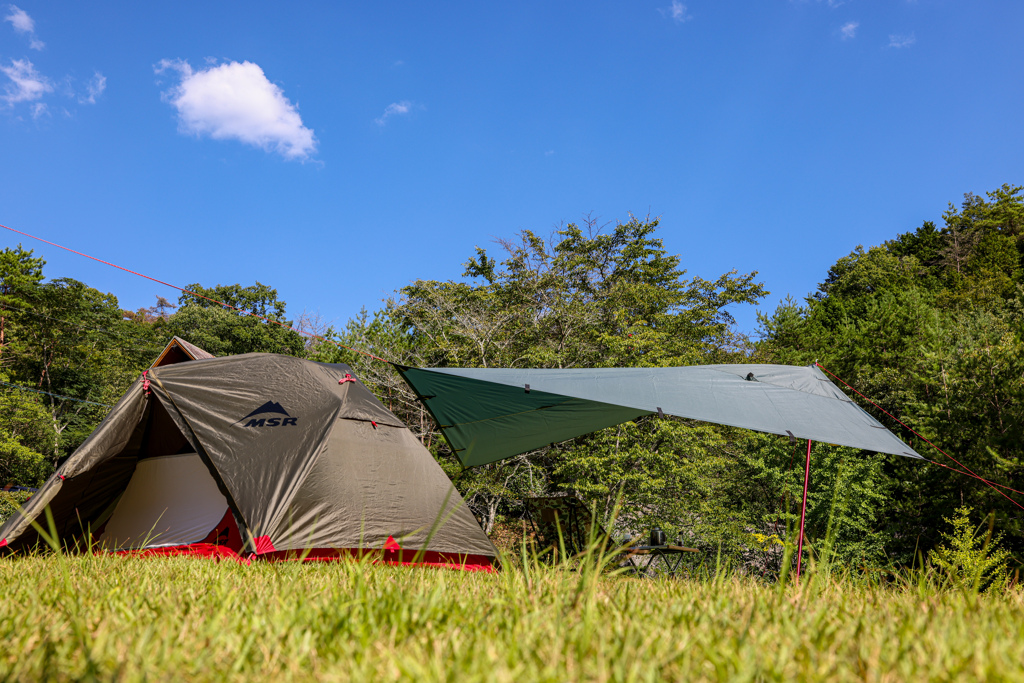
(20, 273)
(585, 297)
(930, 325)
(222, 330)
(24, 435)
(71, 340)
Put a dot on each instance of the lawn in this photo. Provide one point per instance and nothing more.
(114, 618)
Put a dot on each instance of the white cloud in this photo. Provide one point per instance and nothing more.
(38, 109)
(20, 19)
(25, 83)
(95, 87)
(833, 4)
(235, 101)
(394, 109)
(898, 40)
(849, 30)
(23, 23)
(677, 12)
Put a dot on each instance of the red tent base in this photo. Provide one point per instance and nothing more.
(216, 552)
(225, 543)
(403, 558)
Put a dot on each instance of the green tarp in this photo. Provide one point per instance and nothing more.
(488, 414)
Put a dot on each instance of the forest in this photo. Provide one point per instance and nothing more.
(929, 325)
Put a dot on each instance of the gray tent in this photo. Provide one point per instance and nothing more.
(488, 414)
(260, 454)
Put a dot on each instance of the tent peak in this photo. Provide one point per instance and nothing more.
(179, 351)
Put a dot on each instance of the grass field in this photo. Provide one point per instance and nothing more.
(114, 618)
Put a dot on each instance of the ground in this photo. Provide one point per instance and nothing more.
(116, 618)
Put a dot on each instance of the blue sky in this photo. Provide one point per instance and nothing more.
(337, 151)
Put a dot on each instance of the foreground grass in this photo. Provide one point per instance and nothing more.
(111, 618)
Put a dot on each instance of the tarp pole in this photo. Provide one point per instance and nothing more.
(803, 511)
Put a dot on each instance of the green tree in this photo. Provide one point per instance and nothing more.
(25, 429)
(930, 326)
(225, 331)
(20, 273)
(71, 340)
(583, 298)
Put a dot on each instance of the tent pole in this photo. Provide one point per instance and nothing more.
(803, 511)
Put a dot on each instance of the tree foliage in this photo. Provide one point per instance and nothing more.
(585, 297)
(225, 331)
(930, 325)
(972, 557)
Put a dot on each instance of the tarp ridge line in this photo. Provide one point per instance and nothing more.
(842, 398)
(522, 412)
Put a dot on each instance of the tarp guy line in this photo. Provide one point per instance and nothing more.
(969, 471)
(199, 296)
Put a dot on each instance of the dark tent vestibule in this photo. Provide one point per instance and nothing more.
(257, 455)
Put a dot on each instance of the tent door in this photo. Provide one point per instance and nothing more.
(170, 500)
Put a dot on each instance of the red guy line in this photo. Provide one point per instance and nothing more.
(968, 470)
(200, 296)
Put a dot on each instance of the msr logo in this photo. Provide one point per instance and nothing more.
(270, 407)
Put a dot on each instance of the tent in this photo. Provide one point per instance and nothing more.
(487, 414)
(262, 455)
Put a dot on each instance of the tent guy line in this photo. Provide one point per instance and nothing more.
(200, 296)
(67, 398)
(968, 474)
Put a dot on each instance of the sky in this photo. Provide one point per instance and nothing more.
(338, 151)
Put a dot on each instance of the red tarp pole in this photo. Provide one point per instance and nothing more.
(803, 511)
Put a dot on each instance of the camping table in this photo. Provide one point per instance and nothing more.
(652, 553)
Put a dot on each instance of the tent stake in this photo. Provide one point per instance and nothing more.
(803, 511)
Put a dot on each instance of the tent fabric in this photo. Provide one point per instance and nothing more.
(397, 479)
(488, 414)
(170, 500)
(302, 454)
(262, 464)
(399, 557)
